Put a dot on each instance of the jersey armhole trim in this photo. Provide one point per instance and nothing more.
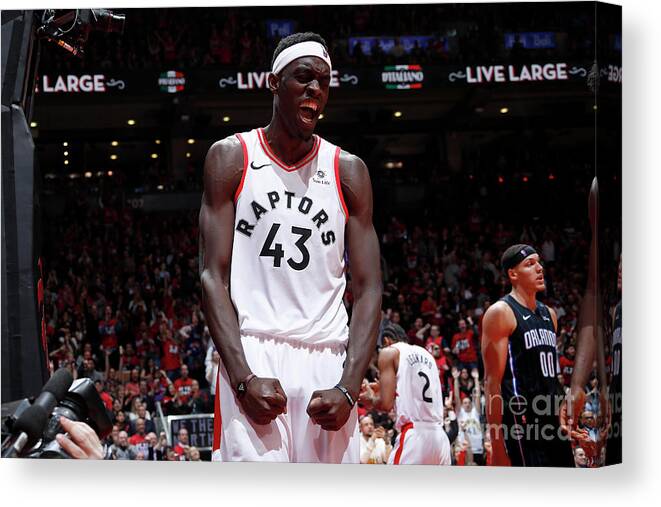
(338, 183)
(244, 148)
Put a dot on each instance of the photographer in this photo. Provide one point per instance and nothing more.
(80, 442)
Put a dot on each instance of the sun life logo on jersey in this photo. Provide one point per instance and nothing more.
(320, 175)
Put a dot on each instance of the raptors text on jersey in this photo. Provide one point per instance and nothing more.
(288, 265)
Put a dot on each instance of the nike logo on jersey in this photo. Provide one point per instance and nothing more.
(546, 318)
(256, 167)
(526, 317)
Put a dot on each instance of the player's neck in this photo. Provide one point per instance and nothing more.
(288, 148)
(527, 299)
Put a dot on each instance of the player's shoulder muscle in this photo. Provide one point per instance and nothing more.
(388, 357)
(499, 321)
(355, 182)
(223, 167)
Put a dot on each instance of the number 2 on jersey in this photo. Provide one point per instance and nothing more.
(277, 252)
(425, 388)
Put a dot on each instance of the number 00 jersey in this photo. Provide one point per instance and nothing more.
(287, 276)
(532, 362)
(419, 396)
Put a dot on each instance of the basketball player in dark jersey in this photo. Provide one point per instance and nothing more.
(523, 394)
(614, 444)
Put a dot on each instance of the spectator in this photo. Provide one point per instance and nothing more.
(171, 358)
(183, 384)
(182, 445)
(105, 397)
(123, 450)
(373, 445)
(198, 402)
(464, 347)
(194, 454)
(88, 370)
(468, 416)
(567, 364)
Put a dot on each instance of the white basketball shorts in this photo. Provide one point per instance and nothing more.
(291, 437)
(421, 443)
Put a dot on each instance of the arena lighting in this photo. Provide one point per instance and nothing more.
(551, 176)
(114, 143)
(191, 141)
(65, 144)
(525, 179)
(131, 122)
(321, 116)
(501, 180)
(188, 154)
(113, 157)
(160, 187)
(66, 162)
(100, 173)
(154, 155)
(66, 153)
(594, 108)
(504, 110)
(109, 173)
(397, 114)
(226, 119)
(88, 174)
(157, 141)
(34, 124)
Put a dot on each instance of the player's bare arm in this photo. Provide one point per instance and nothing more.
(330, 408)
(381, 395)
(586, 343)
(264, 398)
(498, 324)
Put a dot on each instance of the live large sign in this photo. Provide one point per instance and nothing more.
(514, 73)
(74, 84)
(257, 80)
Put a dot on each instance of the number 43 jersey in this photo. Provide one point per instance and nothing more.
(419, 396)
(288, 266)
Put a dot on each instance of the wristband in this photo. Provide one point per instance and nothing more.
(347, 394)
(242, 387)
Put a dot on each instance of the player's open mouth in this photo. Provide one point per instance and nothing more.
(308, 112)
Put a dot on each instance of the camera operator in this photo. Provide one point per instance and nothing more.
(81, 441)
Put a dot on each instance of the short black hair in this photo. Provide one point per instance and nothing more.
(295, 38)
(391, 332)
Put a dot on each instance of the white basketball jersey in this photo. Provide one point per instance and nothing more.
(288, 267)
(419, 396)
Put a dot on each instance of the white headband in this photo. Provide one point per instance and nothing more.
(307, 48)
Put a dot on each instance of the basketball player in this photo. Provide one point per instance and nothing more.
(280, 205)
(409, 381)
(589, 346)
(520, 362)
